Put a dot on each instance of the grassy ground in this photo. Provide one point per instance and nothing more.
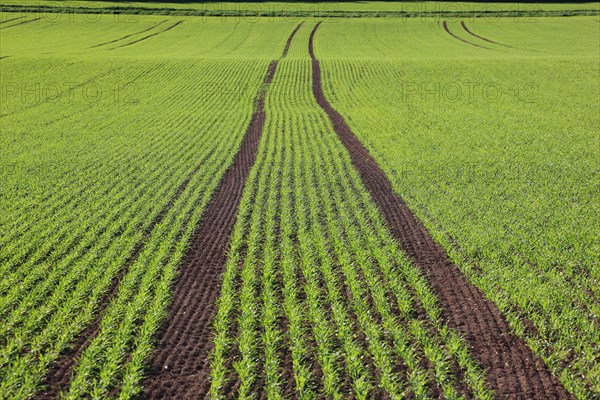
(496, 150)
(313, 272)
(110, 150)
(96, 143)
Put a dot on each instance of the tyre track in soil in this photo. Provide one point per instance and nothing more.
(462, 23)
(148, 36)
(445, 24)
(513, 371)
(11, 19)
(20, 23)
(179, 366)
(128, 36)
(58, 378)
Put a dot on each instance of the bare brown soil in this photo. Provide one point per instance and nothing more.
(180, 362)
(462, 23)
(149, 36)
(512, 370)
(130, 35)
(445, 24)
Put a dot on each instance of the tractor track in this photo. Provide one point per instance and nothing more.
(9, 20)
(58, 378)
(20, 23)
(462, 23)
(445, 24)
(289, 41)
(512, 370)
(130, 35)
(180, 366)
(149, 36)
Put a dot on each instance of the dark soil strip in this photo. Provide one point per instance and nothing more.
(289, 41)
(481, 37)
(512, 370)
(149, 36)
(180, 365)
(130, 35)
(21, 23)
(3, 57)
(459, 38)
(57, 380)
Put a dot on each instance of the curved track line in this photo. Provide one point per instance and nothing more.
(3, 57)
(289, 41)
(149, 36)
(481, 37)
(21, 23)
(224, 40)
(128, 36)
(461, 39)
(180, 362)
(58, 378)
(512, 369)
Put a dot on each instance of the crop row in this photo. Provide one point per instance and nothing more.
(100, 196)
(77, 38)
(97, 210)
(511, 194)
(317, 298)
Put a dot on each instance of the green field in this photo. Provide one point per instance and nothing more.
(116, 131)
(497, 151)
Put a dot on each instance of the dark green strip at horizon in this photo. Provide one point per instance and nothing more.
(295, 13)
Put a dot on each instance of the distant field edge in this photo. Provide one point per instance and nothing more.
(512, 369)
(253, 13)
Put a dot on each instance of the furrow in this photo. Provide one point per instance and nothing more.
(58, 378)
(130, 35)
(447, 29)
(462, 23)
(20, 23)
(149, 36)
(508, 362)
(186, 339)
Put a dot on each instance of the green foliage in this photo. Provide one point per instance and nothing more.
(346, 293)
(96, 186)
(497, 151)
(109, 156)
